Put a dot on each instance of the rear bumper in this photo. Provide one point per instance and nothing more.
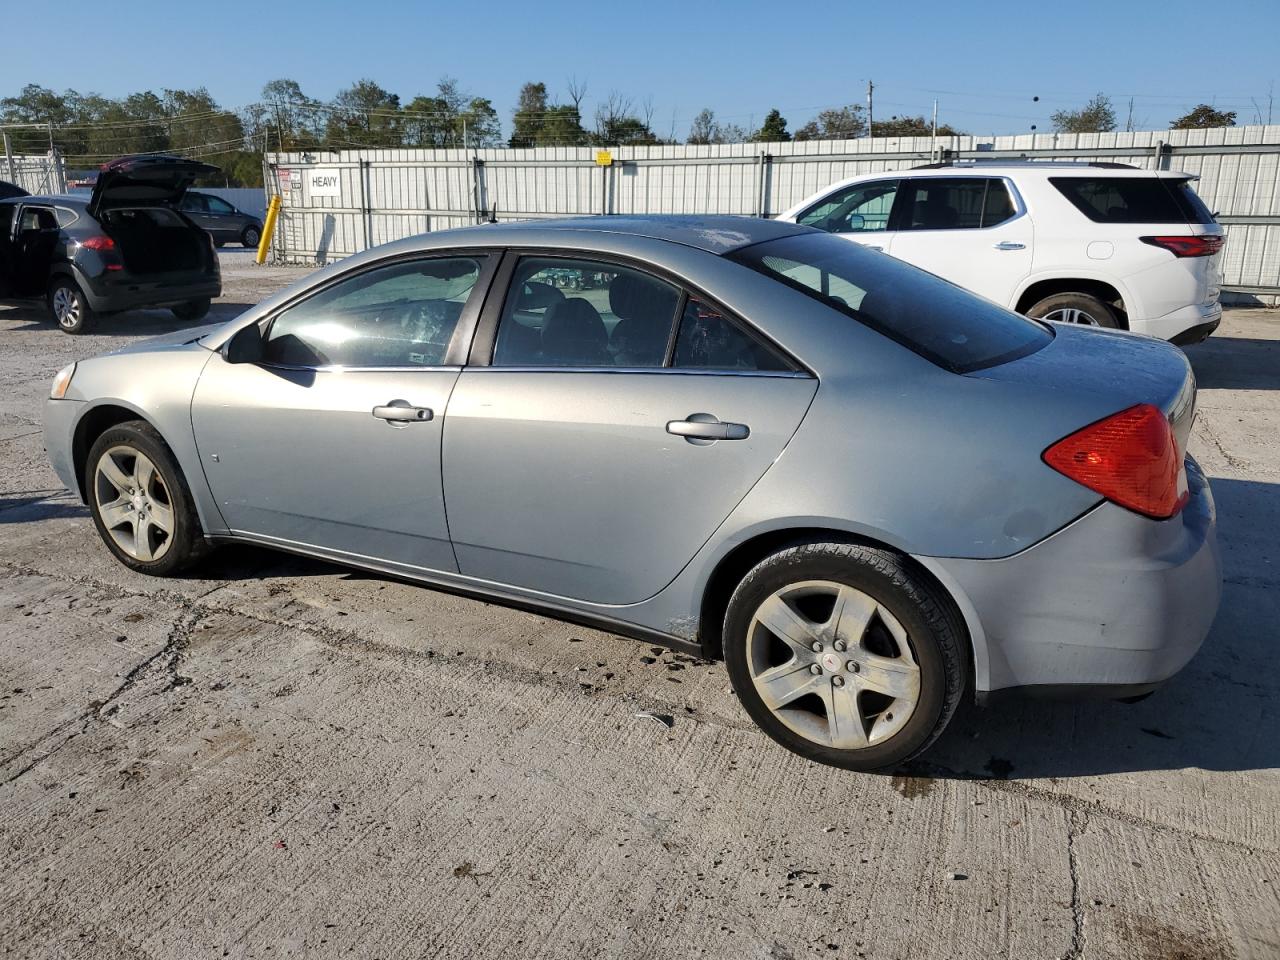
(1190, 324)
(132, 293)
(1114, 601)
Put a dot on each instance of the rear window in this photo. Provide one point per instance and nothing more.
(947, 325)
(1134, 199)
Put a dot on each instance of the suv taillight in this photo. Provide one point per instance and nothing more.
(1193, 246)
(1131, 458)
(101, 244)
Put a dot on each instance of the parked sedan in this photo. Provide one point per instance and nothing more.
(124, 248)
(221, 220)
(870, 491)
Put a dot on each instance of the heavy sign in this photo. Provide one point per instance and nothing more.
(324, 182)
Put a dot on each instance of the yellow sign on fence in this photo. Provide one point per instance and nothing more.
(604, 158)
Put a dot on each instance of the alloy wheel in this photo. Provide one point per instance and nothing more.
(833, 664)
(66, 307)
(1072, 315)
(134, 503)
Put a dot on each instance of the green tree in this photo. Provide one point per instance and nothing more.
(911, 127)
(1096, 116)
(1204, 116)
(364, 115)
(292, 120)
(706, 129)
(538, 122)
(839, 123)
(773, 129)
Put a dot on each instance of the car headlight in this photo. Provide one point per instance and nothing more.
(61, 382)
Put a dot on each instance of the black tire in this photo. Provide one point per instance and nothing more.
(1061, 306)
(935, 635)
(252, 236)
(192, 309)
(179, 549)
(69, 307)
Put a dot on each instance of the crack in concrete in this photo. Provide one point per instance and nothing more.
(1077, 824)
(1212, 437)
(100, 710)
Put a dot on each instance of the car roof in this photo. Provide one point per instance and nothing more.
(714, 234)
(56, 199)
(1046, 168)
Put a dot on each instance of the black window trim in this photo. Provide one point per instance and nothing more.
(454, 355)
(485, 337)
(898, 217)
(1088, 211)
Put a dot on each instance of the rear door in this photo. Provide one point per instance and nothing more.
(972, 231)
(36, 238)
(860, 212)
(7, 262)
(195, 206)
(613, 426)
(333, 439)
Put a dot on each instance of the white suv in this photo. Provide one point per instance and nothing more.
(1104, 244)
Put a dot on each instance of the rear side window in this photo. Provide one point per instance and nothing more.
(1134, 199)
(957, 330)
(960, 203)
(710, 340)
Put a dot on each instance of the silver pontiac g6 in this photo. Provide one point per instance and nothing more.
(870, 492)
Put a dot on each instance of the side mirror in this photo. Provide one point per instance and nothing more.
(853, 223)
(246, 346)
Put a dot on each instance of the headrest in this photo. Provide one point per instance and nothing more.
(633, 297)
(573, 321)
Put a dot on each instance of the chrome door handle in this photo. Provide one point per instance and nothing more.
(401, 411)
(703, 428)
(1010, 245)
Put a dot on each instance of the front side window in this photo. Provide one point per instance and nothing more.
(399, 315)
(584, 313)
(957, 330)
(218, 205)
(859, 208)
(956, 203)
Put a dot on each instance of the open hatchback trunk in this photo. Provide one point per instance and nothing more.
(136, 201)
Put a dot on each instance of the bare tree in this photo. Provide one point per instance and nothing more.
(577, 90)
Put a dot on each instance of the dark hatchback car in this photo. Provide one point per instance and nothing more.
(224, 222)
(126, 247)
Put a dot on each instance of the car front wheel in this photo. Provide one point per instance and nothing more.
(845, 655)
(69, 307)
(1075, 308)
(140, 502)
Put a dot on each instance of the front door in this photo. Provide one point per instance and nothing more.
(860, 212)
(333, 441)
(33, 246)
(969, 230)
(597, 453)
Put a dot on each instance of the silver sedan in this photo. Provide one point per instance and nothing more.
(870, 492)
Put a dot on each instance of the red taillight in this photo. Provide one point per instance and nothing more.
(101, 244)
(1131, 458)
(1194, 246)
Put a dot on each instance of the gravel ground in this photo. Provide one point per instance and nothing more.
(277, 757)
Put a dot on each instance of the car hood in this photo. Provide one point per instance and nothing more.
(1122, 369)
(185, 337)
(153, 180)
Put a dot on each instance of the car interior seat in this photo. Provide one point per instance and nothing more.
(645, 309)
(573, 333)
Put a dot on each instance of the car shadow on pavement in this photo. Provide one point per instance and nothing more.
(1236, 363)
(1217, 714)
(131, 323)
(39, 505)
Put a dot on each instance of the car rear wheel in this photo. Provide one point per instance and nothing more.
(844, 655)
(1075, 308)
(69, 307)
(251, 237)
(192, 309)
(140, 501)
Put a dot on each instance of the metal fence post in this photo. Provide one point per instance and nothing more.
(364, 203)
(8, 155)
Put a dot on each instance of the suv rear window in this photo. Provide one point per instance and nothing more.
(1134, 199)
(947, 325)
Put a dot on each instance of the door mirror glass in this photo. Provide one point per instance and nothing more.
(245, 346)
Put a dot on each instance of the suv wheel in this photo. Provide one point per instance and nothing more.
(844, 655)
(68, 306)
(140, 502)
(192, 309)
(1075, 308)
(252, 236)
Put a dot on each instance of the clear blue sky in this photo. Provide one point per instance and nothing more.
(984, 61)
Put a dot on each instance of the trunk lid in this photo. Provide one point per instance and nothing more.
(1120, 369)
(145, 181)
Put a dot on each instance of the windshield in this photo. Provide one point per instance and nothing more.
(947, 325)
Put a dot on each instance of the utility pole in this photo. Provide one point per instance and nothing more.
(8, 155)
(870, 88)
(934, 148)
